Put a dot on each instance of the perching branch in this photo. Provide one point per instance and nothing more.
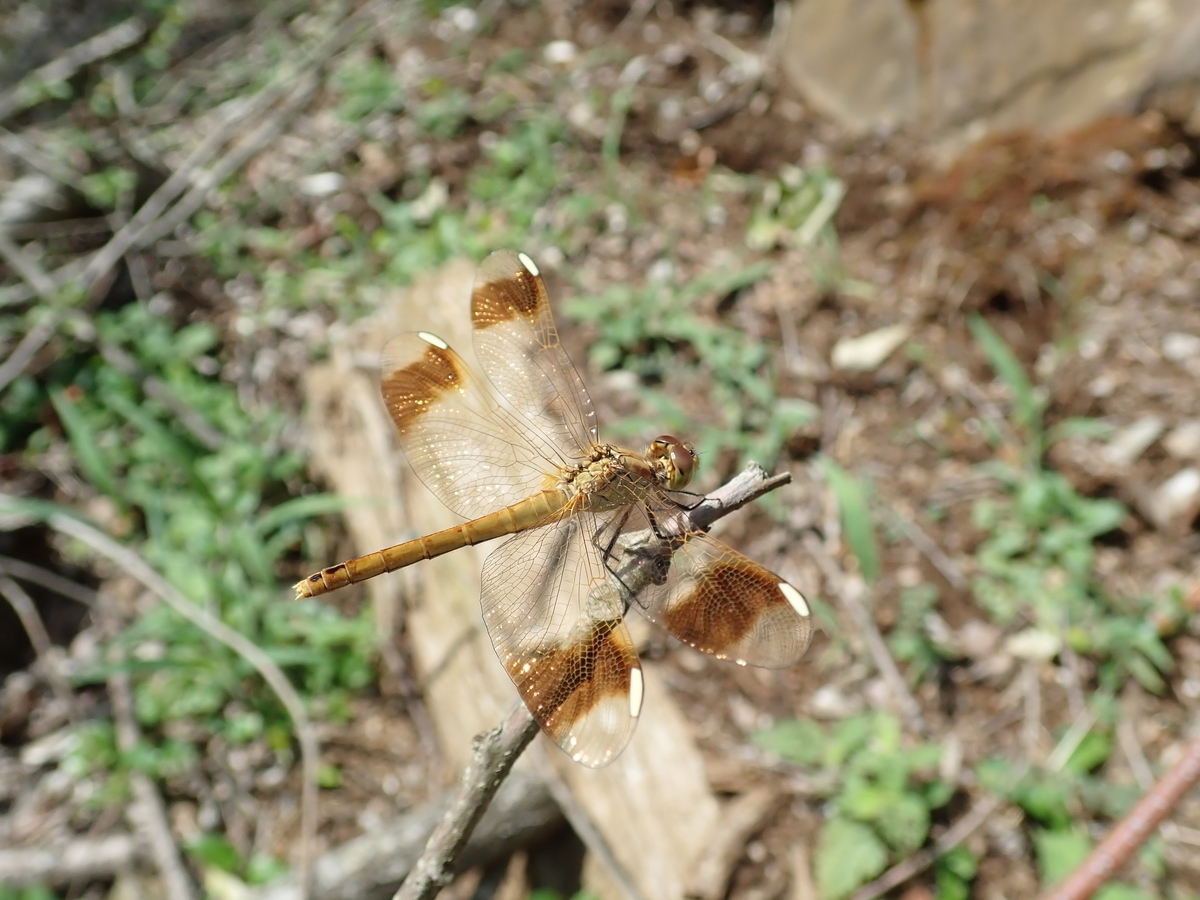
(496, 751)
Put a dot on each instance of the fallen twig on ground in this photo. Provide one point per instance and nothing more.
(155, 217)
(147, 813)
(1132, 831)
(741, 818)
(51, 581)
(107, 43)
(23, 605)
(64, 864)
(851, 591)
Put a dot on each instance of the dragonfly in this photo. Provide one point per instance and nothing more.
(592, 529)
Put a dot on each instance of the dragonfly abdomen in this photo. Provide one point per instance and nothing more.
(527, 513)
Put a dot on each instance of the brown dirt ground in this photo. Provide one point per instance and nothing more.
(1082, 251)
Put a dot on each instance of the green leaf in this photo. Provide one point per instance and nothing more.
(214, 850)
(83, 441)
(1115, 890)
(1028, 405)
(856, 517)
(1097, 517)
(849, 855)
(1059, 852)
(904, 823)
(953, 873)
(1096, 429)
(1047, 801)
(300, 508)
(799, 741)
(1094, 750)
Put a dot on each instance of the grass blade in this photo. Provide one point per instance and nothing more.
(859, 529)
(83, 441)
(1011, 372)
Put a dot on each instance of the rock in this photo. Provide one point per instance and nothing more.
(825, 56)
(321, 184)
(963, 69)
(1133, 440)
(1176, 501)
(1033, 645)
(868, 351)
(560, 52)
(1183, 442)
(1178, 346)
(831, 702)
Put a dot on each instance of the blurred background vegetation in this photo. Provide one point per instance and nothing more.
(972, 337)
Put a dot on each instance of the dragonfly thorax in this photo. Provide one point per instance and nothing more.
(674, 461)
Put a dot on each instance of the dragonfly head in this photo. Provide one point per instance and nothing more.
(674, 461)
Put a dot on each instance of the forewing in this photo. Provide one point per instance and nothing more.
(462, 444)
(555, 619)
(717, 600)
(518, 347)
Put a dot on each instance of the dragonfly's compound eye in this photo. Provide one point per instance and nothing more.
(676, 460)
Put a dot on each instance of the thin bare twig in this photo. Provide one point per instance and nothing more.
(497, 751)
(494, 755)
(63, 864)
(147, 813)
(21, 149)
(239, 643)
(1133, 830)
(106, 43)
(374, 864)
(144, 227)
(930, 549)
(206, 181)
(31, 621)
(741, 818)
(52, 581)
(852, 591)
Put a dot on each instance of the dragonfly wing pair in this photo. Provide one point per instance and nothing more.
(555, 592)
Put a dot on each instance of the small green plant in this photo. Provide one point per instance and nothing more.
(31, 892)
(215, 852)
(909, 639)
(199, 486)
(884, 792)
(646, 329)
(796, 210)
(1038, 556)
(858, 527)
(1056, 800)
(366, 86)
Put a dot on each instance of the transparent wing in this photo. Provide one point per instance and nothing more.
(705, 593)
(471, 452)
(555, 619)
(518, 347)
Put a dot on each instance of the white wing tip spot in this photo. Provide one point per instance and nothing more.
(636, 690)
(795, 598)
(528, 264)
(433, 339)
